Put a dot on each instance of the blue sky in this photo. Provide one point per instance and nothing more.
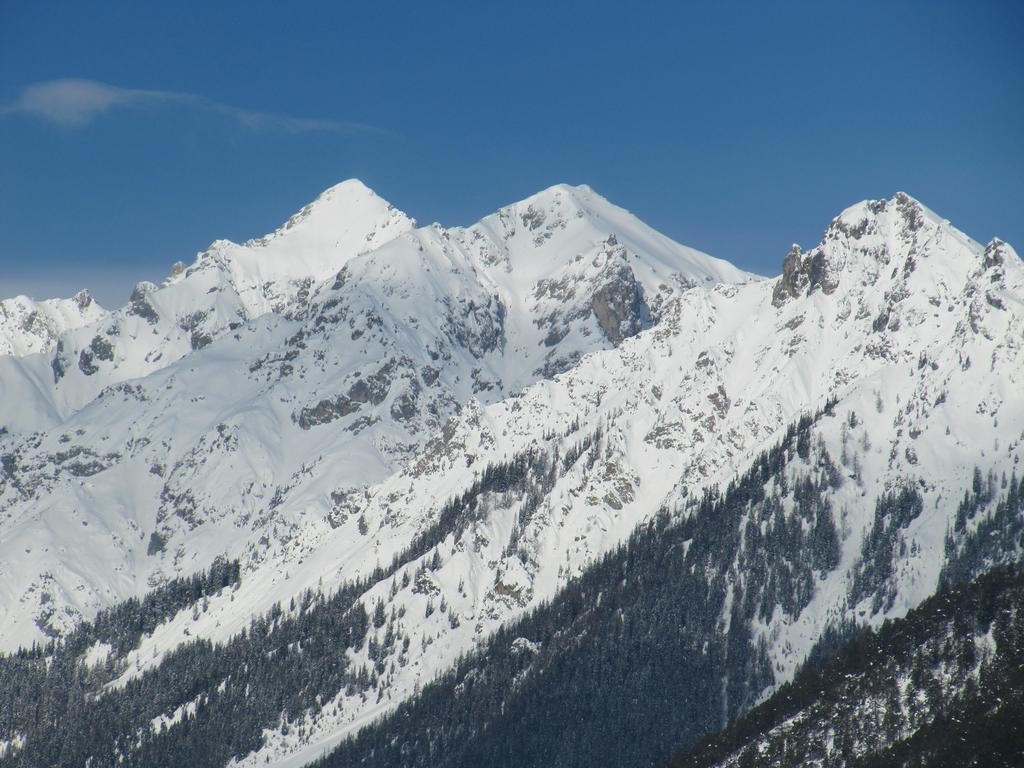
(737, 128)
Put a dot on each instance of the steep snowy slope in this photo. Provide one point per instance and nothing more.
(225, 287)
(377, 431)
(28, 326)
(915, 330)
(663, 639)
(565, 258)
(255, 439)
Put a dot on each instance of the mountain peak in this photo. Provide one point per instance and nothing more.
(347, 192)
(497, 407)
(900, 211)
(83, 298)
(565, 224)
(352, 185)
(344, 220)
(871, 235)
(555, 196)
(28, 326)
(341, 207)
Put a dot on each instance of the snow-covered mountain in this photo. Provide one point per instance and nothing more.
(248, 401)
(226, 286)
(462, 421)
(913, 328)
(28, 326)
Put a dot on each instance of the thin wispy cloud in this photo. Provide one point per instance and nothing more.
(74, 103)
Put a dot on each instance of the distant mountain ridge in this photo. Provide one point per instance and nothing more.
(28, 326)
(347, 332)
(440, 434)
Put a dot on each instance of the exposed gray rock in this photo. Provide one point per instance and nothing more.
(83, 299)
(198, 340)
(620, 308)
(533, 218)
(85, 363)
(477, 328)
(102, 348)
(793, 280)
(404, 407)
(995, 253)
(140, 306)
(57, 364)
(98, 349)
(804, 273)
(911, 211)
(156, 545)
(371, 389)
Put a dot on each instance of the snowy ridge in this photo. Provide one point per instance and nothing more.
(318, 442)
(28, 326)
(227, 286)
(886, 314)
(197, 415)
(270, 272)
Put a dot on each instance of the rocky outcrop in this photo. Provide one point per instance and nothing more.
(139, 305)
(478, 327)
(83, 299)
(619, 307)
(98, 349)
(793, 280)
(612, 295)
(804, 273)
(372, 389)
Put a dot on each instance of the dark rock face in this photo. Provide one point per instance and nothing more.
(192, 324)
(994, 253)
(911, 211)
(619, 306)
(800, 271)
(793, 280)
(85, 363)
(327, 411)
(533, 218)
(139, 292)
(820, 274)
(102, 348)
(479, 328)
(558, 364)
(139, 304)
(405, 406)
(881, 322)
(83, 299)
(429, 374)
(98, 349)
(340, 279)
(199, 340)
(156, 544)
(143, 309)
(57, 364)
(371, 389)
(612, 297)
